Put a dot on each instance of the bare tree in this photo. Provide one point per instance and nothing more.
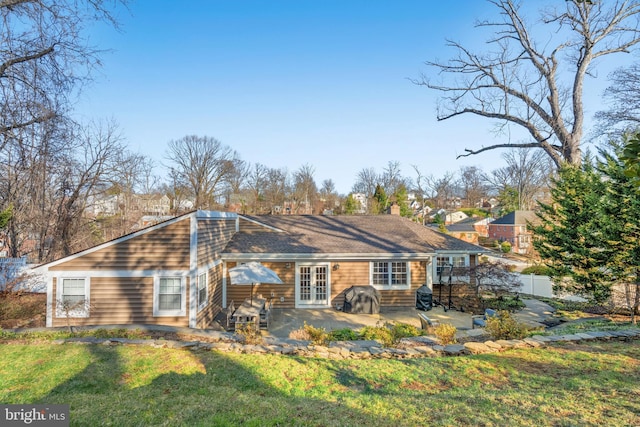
(204, 163)
(473, 183)
(305, 190)
(257, 182)
(537, 84)
(89, 167)
(328, 194)
(623, 96)
(44, 58)
(392, 179)
(366, 181)
(441, 190)
(527, 173)
(275, 190)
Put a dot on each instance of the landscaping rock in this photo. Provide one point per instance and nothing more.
(478, 348)
(454, 349)
(533, 343)
(493, 344)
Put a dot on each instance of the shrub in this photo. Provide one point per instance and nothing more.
(378, 333)
(300, 334)
(318, 336)
(504, 303)
(249, 334)
(504, 326)
(344, 334)
(446, 333)
(403, 330)
(505, 247)
(539, 269)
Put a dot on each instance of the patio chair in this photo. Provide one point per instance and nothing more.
(480, 320)
(265, 315)
(231, 324)
(427, 323)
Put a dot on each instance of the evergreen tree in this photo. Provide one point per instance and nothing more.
(381, 200)
(402, 200)
(350, 205)
(569, 237)
(621, 232)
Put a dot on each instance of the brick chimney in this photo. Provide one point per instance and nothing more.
(394, 209)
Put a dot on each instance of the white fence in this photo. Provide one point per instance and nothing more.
(20, 276)
(542, 286)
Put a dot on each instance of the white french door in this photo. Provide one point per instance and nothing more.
(313, 286)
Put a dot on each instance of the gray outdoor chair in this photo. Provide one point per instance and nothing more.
(480, 320)
(427, 323)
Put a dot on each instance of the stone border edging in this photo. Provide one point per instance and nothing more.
(364, 349)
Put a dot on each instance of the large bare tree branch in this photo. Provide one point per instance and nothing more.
(527, 82)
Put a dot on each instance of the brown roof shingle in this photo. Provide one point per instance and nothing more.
(344, 235)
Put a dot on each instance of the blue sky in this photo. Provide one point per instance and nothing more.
(286, 83)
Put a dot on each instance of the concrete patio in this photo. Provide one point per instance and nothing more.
(286, 320)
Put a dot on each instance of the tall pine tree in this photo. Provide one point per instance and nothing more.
(621, 232)
(568, 237)
(589, 236)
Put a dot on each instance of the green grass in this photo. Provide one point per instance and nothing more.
(589, 384)
(592, 325)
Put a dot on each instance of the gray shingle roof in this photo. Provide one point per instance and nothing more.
(516, 218)
(343, 235)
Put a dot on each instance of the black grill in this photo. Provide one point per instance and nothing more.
(424, 298)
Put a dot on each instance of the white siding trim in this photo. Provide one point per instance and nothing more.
(193, 271)
(232, 257)
(224, 284)
(216, 215)
(49, 321)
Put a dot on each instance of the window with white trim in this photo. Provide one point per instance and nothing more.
(446, 265)
(390, 274)
(72, 297)
(169, 296)
(202, 290)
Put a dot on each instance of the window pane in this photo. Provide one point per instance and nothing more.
(459, 261)
(380, 273)
(169, 302)
(170, 285)
(73, 287)
(202, 289)
(398, 273)
(441, 261)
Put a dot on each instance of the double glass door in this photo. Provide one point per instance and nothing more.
(313, 285)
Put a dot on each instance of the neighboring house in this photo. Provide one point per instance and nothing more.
(107, 206)
(361, 198)
(152, 204)
(512, 228)
(175, 273)
(448, 217)
(469, 229)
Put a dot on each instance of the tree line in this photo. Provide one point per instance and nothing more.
(53, 166)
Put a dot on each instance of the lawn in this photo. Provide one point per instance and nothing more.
(588, 384)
